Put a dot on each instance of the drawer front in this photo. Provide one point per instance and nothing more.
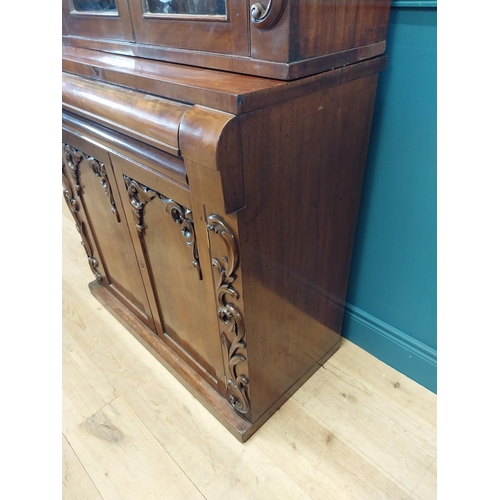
(147, 118)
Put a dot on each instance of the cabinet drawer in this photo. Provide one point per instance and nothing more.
(145, 117)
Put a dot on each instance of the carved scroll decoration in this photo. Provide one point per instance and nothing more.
(232, 332)
(140, 195)
(100, 171)
(181, 215)
(73, 159)
(266, 17)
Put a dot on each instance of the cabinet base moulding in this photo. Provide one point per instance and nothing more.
(216, 404)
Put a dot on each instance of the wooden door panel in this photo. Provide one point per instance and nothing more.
(165, 234)
(114, 25)
(71, 160)
(226, 35)
(100, 202)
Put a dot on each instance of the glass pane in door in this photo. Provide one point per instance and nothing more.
(186, 7)
(95, 5)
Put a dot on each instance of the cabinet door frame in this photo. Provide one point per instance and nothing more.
(214, 34)
(99, 25)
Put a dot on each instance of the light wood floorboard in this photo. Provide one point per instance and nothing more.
(356, 430)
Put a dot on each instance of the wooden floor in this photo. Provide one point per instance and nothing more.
(356, 430)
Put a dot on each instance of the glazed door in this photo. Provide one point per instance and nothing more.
(219, 26)
(108, 19)
(92, 196)
(173, 252)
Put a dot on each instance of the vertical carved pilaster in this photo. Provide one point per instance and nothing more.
(72, 159)
(139, 195)
(100, 171)
(232, 332)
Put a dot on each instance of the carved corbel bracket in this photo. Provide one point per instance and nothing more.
(210, 145)
(100, 171)
(182, 216)
(139, 195)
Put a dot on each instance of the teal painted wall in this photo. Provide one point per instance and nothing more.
(391, 301)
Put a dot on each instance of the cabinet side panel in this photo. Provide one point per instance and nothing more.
(304, 164)
(326, 27)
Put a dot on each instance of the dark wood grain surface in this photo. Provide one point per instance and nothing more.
(109, 140)
(219, 90)
(202, 34)
(211, 147)
(308, 36)
(137, 114)
(112, 27)
(326, 27)
(297, 229)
